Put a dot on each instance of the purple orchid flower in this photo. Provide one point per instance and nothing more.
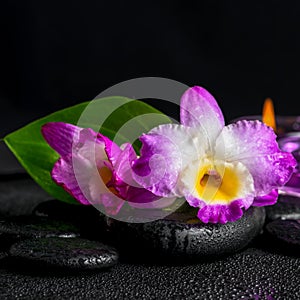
(94, 170)
(219, 169)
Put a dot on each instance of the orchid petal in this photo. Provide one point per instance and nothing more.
(221, 213)
(111, 203)
(199, 109)
(96, 147)
(66, 138)
(60, 136)
(63, 174)
(254, 144)
(131, 191)
(112, 150)
(156, 203)
(269, 199)
(85, 184)
(165, 152)
(123, 165)
(90, 145)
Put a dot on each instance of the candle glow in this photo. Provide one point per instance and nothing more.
(288, 143)
(268, 115)
(288, 139)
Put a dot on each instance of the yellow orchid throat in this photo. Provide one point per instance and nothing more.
(217, 183)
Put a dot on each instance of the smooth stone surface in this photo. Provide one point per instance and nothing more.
(251, 274)
(59, 210)
(179, 235)
(32, 227)
(19, 195)
(80, 254)
(287, 233)
(286, 208)
(90, 221)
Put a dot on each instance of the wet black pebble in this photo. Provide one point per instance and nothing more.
(90, 221)
(285, 234)
(77, 253)
(22, 227)
(251, 274)
(55, 209)
(180, 235)
(286, 208)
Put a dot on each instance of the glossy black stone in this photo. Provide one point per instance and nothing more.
(59, 210)
(286, 208)
(286, 235)
(79, 254)
(32, 227)
(251, 274)
(181, 236)
(90, 221)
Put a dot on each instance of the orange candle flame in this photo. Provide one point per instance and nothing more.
(268, 115)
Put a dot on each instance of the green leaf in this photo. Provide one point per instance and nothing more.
(106, 115)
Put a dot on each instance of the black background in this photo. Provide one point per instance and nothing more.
(58, 53)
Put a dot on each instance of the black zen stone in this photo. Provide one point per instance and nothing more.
(250, 274)
(55, 209)
(22, 227)
(286, 234)
(181, 236)
(90, 221)
(78, 254)
(286, 208)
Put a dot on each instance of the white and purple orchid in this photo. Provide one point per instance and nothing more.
(222, 170)
(93, 169)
